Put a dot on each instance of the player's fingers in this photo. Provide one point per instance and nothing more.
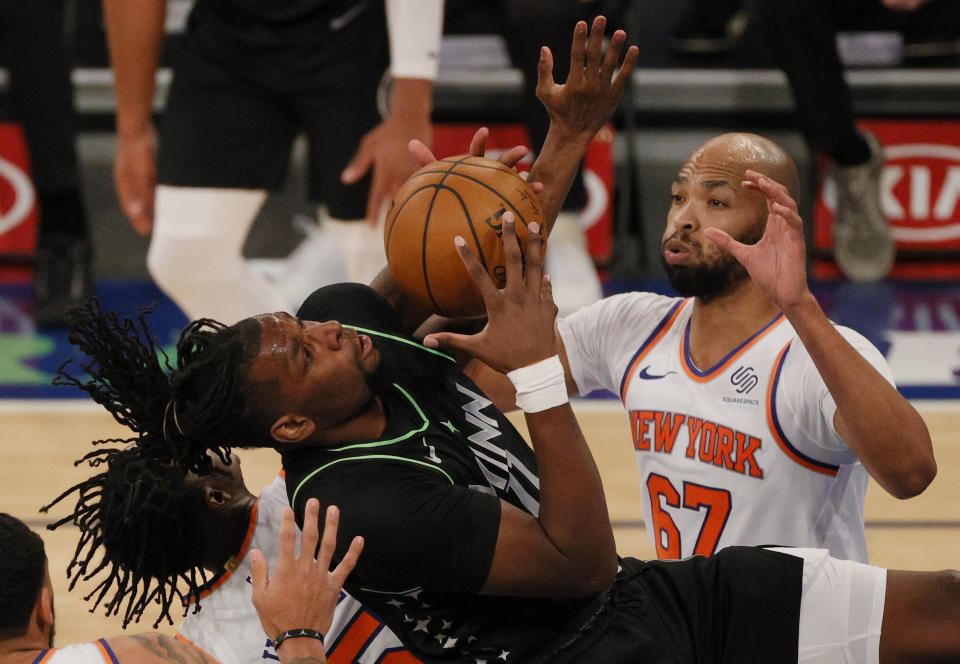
(545, 80)
(533, 255)
(478, 144)
(342, 571)
(288, 539)
(478, 274)
(328, 543)
(448, 340)
(310, 534)
(136, 211)
(594, 49)
(770, 188)
(259, 575)
(723, 240)
(513, 257)
(626, 69)
(578, 52)
(358, 165)
(513, 156)
(612, 57)
(789, 216)
(420, 152)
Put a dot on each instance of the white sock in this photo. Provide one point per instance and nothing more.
(574, 277)
(196, 254)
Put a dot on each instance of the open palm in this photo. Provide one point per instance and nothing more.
(777, 263)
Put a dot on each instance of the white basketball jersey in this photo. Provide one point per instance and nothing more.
(744, 452)
(227, 626)
(98, 652)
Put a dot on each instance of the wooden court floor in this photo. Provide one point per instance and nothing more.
(40, 440)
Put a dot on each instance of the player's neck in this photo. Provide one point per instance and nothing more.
(725, 322)
(368, 424)
(21, 649)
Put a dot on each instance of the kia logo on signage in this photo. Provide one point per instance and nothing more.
(919, 187)
(920, 191)
(16, 196)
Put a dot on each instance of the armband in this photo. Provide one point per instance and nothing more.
(540, 386)
(295, 634)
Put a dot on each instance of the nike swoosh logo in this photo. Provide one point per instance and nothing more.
(645, 375)
(339, 22)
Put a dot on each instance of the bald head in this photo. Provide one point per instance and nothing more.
(738, 152)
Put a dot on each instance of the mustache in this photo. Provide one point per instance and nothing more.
(680, 236)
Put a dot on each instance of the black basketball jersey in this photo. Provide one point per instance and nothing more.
(425, 496)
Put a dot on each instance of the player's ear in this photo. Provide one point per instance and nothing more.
(292, 428)
(43, 613)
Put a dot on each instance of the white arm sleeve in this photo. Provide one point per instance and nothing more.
(415, 28)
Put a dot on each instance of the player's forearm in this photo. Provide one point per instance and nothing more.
(302, 651)
(135, 35)
(411, 315)
(573, 508)
(880, 426)
(556, 166)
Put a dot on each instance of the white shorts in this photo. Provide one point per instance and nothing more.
(841, 609)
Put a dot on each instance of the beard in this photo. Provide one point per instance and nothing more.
(710, 278)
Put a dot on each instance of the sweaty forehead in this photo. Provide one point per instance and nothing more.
(274, 333)
(729, 156)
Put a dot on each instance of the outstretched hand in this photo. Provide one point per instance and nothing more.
(303, 592)
(520, 317)
(777, 263)
(595, 84)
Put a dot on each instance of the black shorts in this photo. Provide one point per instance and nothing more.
(225, 128)
(740, 606)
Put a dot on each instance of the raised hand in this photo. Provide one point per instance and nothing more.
(777, 263)
(595, 84)
(520, 317)
(303, 592)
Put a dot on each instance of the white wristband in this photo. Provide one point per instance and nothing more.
(540, 386)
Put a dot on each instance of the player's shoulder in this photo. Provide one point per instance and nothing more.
(150, 648)
(856, 339)
(626, 306)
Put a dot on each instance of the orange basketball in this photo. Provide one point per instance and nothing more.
(463, 196)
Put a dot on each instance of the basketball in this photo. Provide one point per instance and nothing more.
(465, 196)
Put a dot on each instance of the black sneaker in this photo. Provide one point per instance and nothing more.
(61, 278)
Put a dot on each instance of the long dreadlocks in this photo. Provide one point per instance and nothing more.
(140, 511)
(184, 410)
(145, 517)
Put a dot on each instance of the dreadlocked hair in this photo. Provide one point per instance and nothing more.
(214, 396)
(139, 534)
(180, 412)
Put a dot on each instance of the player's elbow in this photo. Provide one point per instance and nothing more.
(912, 479)
(598, 579)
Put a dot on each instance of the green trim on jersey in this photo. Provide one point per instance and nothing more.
(409, 434)
(306, 479)
(416, 345)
